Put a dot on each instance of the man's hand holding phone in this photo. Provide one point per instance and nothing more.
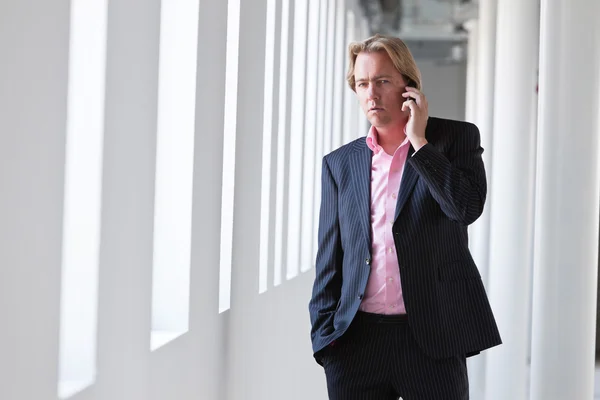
(416, 102)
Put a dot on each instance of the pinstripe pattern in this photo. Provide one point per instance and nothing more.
(442, 191)
(377, 358)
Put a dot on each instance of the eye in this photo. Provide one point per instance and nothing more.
(361, 84)
(383, 81)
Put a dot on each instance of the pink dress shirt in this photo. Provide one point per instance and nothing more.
(383, 294)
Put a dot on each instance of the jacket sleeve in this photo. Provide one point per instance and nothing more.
(456, 179)
(328, 280)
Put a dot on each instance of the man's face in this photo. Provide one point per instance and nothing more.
(379, 87)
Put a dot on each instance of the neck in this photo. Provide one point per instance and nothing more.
(391, 137)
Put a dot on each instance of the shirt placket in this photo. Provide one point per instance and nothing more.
(390, 250)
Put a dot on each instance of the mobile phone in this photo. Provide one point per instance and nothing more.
(411, 83)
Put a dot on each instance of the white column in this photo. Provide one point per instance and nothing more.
(320, 113)
(484, 98)
(128, 176)
(486, 54)
(471, 99)
(205, 347)
(33, 114)
(566, 220)
(511, 194)
(244, 323)
(330, 76)
(295, 177)
(339, 81)
(349, 98)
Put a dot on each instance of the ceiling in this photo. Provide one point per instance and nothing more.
(433, 29)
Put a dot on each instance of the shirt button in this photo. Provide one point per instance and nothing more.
(391, 222)
(393, 195)
(392, 305)
(390, 250)
(390, 280)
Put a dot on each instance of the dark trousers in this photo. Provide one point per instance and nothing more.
(378, 359)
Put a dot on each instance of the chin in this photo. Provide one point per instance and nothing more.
(380, 122)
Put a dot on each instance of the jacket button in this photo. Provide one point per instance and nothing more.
(367, 261)
(360, 296)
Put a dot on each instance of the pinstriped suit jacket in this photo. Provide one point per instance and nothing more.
(442, 191)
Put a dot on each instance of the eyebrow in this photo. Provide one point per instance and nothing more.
(374, 78)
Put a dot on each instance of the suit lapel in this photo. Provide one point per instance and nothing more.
(409, 176)
(361, 179)
(407, 184)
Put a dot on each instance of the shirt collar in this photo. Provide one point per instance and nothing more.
(373, 144)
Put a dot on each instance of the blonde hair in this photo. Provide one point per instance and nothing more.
(397, 51)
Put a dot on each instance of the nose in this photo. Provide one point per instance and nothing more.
(372, 92)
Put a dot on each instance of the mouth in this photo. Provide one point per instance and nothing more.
(375, 109)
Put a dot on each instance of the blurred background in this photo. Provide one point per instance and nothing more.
(160, 184)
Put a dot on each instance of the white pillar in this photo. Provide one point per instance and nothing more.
(126, 237)
(245, 366)
(33, 110)
(484, 98)
(566, 238)
(471, 99)
(486, 54)
(511, 193)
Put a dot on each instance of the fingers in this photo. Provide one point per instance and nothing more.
(410, 105)
(412, 93)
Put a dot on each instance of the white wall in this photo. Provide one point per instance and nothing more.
(260, 347)
(33, 92)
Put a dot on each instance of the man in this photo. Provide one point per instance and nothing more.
(398, 303)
